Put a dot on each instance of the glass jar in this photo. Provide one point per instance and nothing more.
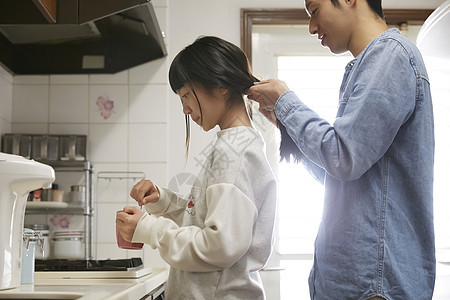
(68, 245)
(77, 194)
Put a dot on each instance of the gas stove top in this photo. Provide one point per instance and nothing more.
(131, 268)
(130, 264)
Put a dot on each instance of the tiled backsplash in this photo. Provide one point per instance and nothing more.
(125, 119)
(6, 84)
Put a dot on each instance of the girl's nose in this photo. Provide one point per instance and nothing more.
(186, 110)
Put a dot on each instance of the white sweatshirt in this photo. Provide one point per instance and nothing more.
(217, 240)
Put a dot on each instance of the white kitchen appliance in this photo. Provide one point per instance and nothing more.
(433, 41)
(18, 177)
(433, 38)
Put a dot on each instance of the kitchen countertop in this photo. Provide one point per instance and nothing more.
(89, 289)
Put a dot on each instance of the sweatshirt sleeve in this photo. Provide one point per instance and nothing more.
(226, 237)
(169, 206)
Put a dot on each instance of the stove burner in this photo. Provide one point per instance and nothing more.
(129, 264)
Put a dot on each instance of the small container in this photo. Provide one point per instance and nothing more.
(73, 147)
(11, 143)
(68, 245)
(77, 194)
(19, 144)
(39, 147)
(25, 146)
(30, 238)
(57, 195)
(45, 147)
(53, 147)
(46, 195)
(42, 231)
(37, 195)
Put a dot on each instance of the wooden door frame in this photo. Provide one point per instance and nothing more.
(250, 17)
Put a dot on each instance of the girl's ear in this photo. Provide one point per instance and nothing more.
(222, 91)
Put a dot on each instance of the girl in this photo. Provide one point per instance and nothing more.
(218, 239)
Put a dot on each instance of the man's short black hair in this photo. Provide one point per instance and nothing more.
(375, 5)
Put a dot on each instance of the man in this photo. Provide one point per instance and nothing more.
(376, 239)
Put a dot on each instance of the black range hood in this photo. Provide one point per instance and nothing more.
(78, 36)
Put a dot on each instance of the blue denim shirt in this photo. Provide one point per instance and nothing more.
(376, 237)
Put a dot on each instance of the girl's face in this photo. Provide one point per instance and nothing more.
(207, 109)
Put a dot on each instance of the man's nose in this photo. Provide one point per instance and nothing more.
(312, 27)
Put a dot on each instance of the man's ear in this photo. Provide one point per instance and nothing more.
(350, 2)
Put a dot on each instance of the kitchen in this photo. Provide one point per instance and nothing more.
(130, 139)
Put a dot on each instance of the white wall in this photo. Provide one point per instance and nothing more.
(5, 101)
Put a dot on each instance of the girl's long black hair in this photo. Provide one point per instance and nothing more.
(288, 149)
(215, 63)
(212, 63)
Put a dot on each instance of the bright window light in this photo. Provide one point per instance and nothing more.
(316, 80)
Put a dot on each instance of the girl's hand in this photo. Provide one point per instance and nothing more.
(127, 220)
(145, 192)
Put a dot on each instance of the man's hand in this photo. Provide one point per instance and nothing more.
(267, 92)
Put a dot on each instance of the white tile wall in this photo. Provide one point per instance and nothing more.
(116, 93)
(148, 103)
(118, 78)
(149, 73)
(68, 103)
(106, 221)
(5, 126)
(157, 172)
(69, 79)
(62, 128)
(5, 101)
(31, 79)
(30, 103)
(32, 128)
(112, 191)
(132, 138)
(147, 143)
(5, 96)
(108, 142)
